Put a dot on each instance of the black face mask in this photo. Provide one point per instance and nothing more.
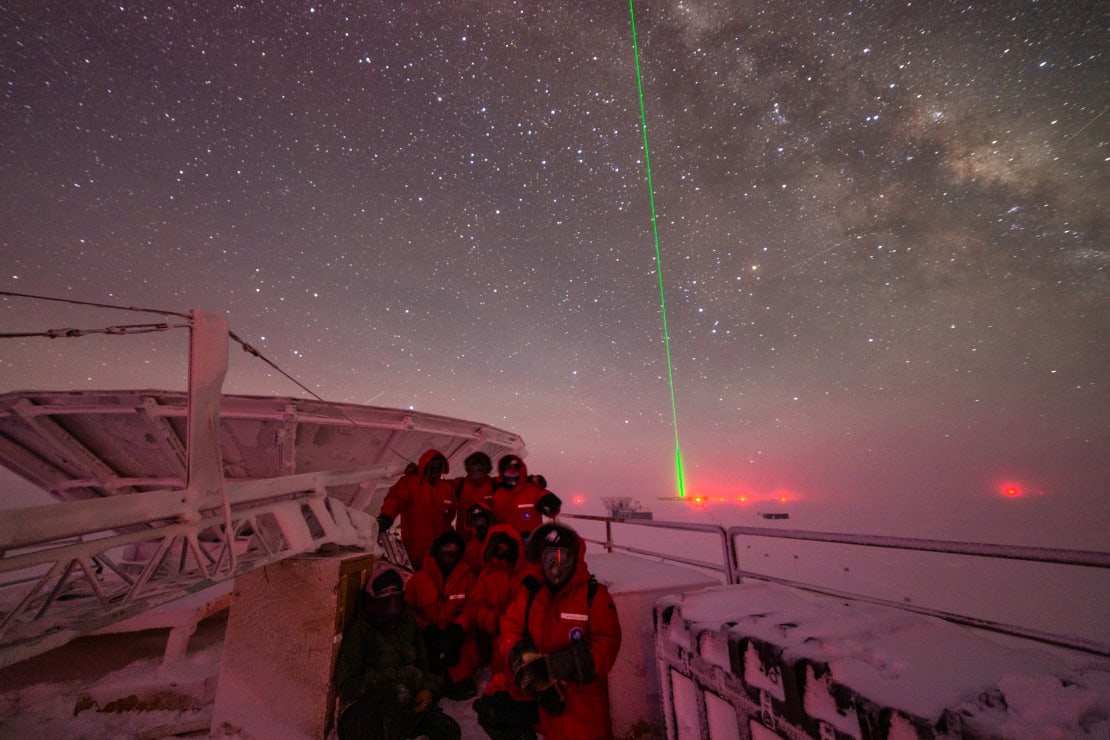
(503, 548)
(382, 610)
(448, 559)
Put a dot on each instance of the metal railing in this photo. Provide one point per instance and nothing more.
(729, 566)
(726, 566)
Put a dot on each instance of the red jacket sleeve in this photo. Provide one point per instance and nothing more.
(511, 627)
(397, 497)
(605, 631)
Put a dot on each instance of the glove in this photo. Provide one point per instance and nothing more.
(385, 521)
(411, 677)
(453, 637)
(402, 697)
(423, 701)
(552, 701)
(528, 666)
(521, 653)
(574, 663)
(535, 675)
(549, 504)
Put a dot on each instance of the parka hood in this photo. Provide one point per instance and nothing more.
(427, 458)
(504, 463)
(500, 532)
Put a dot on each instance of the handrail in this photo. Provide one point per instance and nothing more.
(729, 566)
(728, 556)
(1087, 558)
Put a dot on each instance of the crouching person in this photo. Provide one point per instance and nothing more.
(384, 688)
(562, 636)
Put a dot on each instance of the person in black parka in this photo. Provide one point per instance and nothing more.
(385, 690)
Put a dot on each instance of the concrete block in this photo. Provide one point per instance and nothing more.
(283, 633)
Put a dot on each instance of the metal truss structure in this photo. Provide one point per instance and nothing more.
(165, 494)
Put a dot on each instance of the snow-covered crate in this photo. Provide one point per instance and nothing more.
(759, 661)
(719, 683)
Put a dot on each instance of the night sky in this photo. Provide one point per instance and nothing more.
(883, 228)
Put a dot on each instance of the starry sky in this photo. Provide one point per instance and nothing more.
(882, 227)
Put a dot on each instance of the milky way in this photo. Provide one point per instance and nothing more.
(882, 226)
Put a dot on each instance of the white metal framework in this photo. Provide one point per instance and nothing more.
(166, 494)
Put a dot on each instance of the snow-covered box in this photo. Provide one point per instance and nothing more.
(761, 661)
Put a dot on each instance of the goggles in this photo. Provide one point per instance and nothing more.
(553, 556)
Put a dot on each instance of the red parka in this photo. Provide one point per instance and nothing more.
(475, 547)
(497, 585)
(441, 601)
(468, 493)
(516, 505)
(554, 620)
(426, 508)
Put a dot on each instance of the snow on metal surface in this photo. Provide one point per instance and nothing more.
(88, 444)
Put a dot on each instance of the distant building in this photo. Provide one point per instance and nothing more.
(623, 507)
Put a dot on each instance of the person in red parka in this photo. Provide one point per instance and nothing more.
(497, 585)
(562, 635)
(426, 504)
(518, 501)
(438, 594)
(480, 518)
(504, 711)
(476, 487)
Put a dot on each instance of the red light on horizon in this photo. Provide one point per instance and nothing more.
(1015, 489)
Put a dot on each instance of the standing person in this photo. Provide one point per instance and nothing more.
(426, 504)
(384, 688)
(518, 501)
(474, 493)
(562, 636)
(438, 595)
(476, 487)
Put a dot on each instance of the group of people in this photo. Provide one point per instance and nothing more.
(497, 584)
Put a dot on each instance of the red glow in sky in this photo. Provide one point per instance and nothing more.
(1015, 489)
(740, 494)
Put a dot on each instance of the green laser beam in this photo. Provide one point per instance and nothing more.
(658, 259)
